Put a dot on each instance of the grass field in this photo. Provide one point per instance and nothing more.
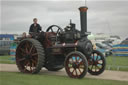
(117, 60)
(117, 63)
(8, 78)
(7, 59)
(114, 62)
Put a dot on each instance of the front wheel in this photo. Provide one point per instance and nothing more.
(76, 65)
(97, 63)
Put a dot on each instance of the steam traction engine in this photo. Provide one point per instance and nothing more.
(55, 49)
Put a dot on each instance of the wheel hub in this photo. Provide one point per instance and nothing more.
(28, 56)
(75, 65)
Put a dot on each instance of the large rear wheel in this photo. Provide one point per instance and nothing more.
(76, 65)
(30, 56)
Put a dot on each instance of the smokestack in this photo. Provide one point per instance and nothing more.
(83, 19)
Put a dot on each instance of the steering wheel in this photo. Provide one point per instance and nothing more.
(59, 30)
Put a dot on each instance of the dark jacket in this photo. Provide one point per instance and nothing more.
(36, 28)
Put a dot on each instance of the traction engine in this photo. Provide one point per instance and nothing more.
(59, 48)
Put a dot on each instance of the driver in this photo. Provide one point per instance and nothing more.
(35, 27)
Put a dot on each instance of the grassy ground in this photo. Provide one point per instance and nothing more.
(117, 60)
(8, 78)
(117, 63)
(7, 59)
(112, 62)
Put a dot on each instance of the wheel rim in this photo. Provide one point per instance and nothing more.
(75, 66)
(96, 63)
(26, 57)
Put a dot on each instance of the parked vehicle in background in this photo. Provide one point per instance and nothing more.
(108, 42)
(105, 49)
(5, 46)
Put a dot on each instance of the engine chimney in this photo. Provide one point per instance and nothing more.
(83, 18)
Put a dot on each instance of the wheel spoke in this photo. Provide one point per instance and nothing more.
(96, 57)
(34, 54)
(27, 46)
(73, 71)
(76, 59)
(26, 50)
(98, 67)
(76, 62)
(90, 62)
(34, 62)
(81, 63)
(76, 72)
(95, 68)
(31, 49)
(72, 59)
(22, 50)
(93, 57)
(92, 67)
(22, 59)
(79, 70)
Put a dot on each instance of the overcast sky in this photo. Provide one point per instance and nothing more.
(106, 16)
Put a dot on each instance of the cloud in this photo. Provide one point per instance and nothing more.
(0, 16)
(103, 16)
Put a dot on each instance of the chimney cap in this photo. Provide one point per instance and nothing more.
(83, 8)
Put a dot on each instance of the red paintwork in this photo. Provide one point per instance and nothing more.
(47, 41)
